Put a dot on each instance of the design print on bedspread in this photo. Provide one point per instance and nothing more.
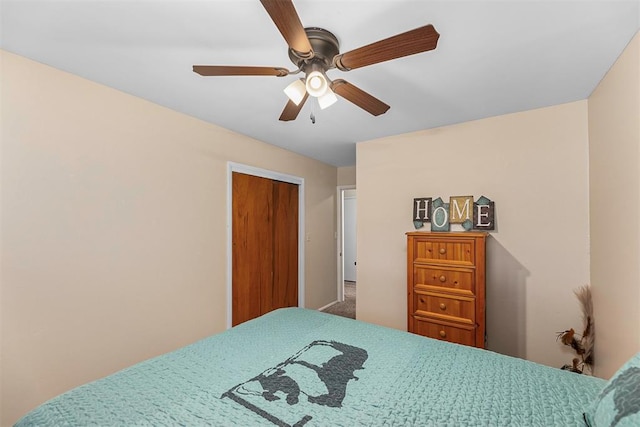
(626, 395)
(316, 375)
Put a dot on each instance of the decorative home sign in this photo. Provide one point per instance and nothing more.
(478, 215)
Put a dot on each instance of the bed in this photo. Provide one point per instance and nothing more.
(295, 367)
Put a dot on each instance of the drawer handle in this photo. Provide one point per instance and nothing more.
(443, 334)
(443, 278)
(443, 251)
(443, 306)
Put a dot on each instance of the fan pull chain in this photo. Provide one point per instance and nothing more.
(313, 109)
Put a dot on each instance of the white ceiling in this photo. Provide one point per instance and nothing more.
(493, 57)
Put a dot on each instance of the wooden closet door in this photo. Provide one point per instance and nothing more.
(285, 245)
(251, 242)
(264, 246)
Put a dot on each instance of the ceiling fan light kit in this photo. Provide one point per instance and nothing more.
(316, 83)
(315, 51)
(327, 100)
(296, 91)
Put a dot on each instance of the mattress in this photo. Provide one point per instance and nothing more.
(301, 367)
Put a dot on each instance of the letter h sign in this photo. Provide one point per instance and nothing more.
(422, 209)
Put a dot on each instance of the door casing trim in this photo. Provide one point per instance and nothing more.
(278, 176)
(340, 189)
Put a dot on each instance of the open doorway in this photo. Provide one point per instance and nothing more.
(347, 255)
(349, 235)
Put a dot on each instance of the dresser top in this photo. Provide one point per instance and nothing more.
(448, 234)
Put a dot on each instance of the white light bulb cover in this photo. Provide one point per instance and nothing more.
(316, 84)
(327, 100)
(296, 91)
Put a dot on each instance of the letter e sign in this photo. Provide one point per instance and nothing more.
(483, 216)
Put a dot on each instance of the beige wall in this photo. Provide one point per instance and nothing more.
(614, 163)
(114, 230)
(347, 175)
(534, 166)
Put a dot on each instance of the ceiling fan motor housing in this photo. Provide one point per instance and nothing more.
(325, 46)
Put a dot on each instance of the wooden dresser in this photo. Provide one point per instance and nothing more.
(446, 286)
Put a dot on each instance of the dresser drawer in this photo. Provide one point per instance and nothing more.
(460, 309)
(448, 251)
(444, 332)
(454, 280)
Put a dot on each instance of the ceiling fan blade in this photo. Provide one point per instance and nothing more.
(232, 70)
(415, 41)
(283, 14)
(291, 110)
(359, 97)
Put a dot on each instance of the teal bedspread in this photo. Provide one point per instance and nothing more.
(302, 367)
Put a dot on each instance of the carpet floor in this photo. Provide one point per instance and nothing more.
(346, 308)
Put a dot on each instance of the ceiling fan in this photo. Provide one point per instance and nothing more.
(315, 51)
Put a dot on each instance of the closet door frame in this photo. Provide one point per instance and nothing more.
(264, 173)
